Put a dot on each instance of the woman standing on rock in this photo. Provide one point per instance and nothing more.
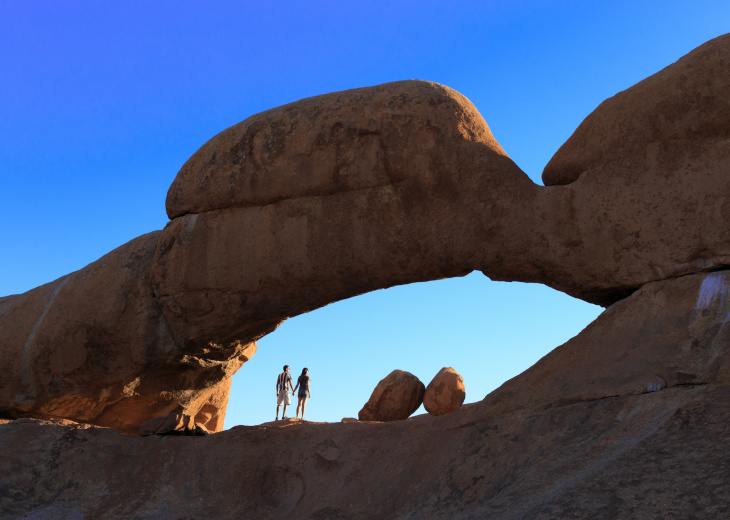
(303, 384)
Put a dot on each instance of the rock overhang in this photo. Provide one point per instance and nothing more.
(345, 193)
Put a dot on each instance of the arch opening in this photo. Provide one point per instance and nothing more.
(488, 331)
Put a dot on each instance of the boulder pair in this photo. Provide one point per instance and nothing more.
(401, 393)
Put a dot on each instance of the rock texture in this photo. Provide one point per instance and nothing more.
(684, 105)
(159, 325)
(350, 192)
(335, 143)
(174, 424)
(94, 346)
(667, 334)
(445, 393)
(213, 411)
(585, 433)
(331, 197)
(642, 185)
(395, 398)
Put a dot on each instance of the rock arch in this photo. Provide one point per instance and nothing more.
(345, 193)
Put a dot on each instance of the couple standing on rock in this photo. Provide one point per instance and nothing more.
(282, 392)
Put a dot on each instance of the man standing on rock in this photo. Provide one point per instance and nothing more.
(282, 392)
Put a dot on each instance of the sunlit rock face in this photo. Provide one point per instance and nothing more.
(94, 346)
(291, 210)
(643, 185)
(445, 393)
(345, 193)
(685, 105)
(331, 197)
(395, 398)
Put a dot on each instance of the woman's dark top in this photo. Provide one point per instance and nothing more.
(303, 382)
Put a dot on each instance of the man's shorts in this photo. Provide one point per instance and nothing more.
(284, 397)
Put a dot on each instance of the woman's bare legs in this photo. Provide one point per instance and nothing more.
(300, 405)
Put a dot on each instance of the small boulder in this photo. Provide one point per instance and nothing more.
(174, 424)
(395, 398)
(445, 394)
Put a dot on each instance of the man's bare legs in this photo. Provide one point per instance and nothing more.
(283, 414)
(282, 392)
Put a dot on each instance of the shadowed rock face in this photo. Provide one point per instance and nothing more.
(345, 193)
(669, 333)
(618, 458)
(626, 420)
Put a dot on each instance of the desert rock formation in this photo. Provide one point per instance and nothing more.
(394, 398)
(350, 192)
(94, 346)
(667, 334)
(609, 440)
(616, 458)
(683, 105)
(646, 175)
(345, 193)
(445, 393)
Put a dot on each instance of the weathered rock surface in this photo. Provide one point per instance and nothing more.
(350, 192)
(684, 105)
(615, 458)
(94, 346)
(395, 398)
(334, 143)
(645, 189)
(445, 393)
(213, 412)
(331, 197)
(667, 334)
(167, 424)
(183, 307)
(602, 439)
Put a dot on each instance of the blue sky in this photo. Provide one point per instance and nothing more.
(101, 103)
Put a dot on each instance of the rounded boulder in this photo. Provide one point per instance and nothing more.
(445, 393)
(395, 398)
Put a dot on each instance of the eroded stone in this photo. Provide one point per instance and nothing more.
(445, 393)
(94, 346)
(350, 192)
(395, 398)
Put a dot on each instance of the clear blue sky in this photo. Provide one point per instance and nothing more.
(102, 102)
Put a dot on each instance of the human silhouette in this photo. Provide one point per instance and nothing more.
(303, 383)
(282, 392)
